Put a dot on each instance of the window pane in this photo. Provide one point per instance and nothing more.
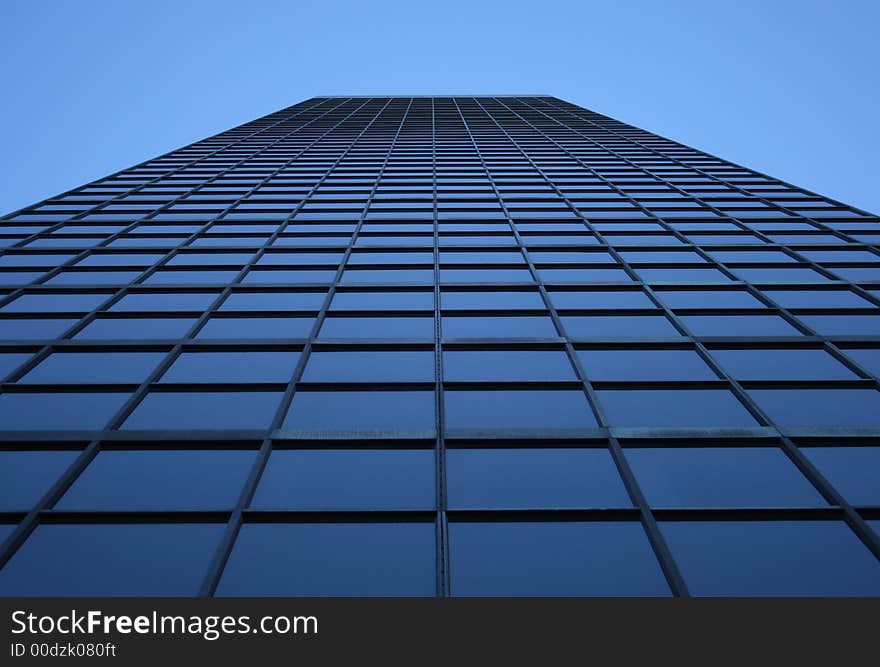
(370, 366)
(383, 301)
(112, 560)
(331, 559)
(394, 411)
(55, 303)
(709, 299)
(619, 326)
(500, 300)
(160, 480)
(214, 410)
(504, 365)
(498, 327)
(774, 364)
(706, 408)
(95, 367)
(57, 411)
(137, 328)
(553, 559)
(26, 476)
(775, 558)
(232, 367)
(868, 358)
(635, 364)
(274, 301)
(42, 329)
(178, 301)
(600, 299)
(533, 478)
(738, 325)
(820, 407)
(347, 479)
(518, 409)
(366, 328)
(720, 477)
(9, 362)
(257, 328)
(854, 471)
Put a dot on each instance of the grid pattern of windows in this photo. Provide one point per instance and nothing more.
(439, 346)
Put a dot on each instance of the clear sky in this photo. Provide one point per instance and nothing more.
(787, 87)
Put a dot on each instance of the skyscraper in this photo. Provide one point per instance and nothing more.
(439, 346)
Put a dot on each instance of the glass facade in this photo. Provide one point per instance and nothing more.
(439, 346)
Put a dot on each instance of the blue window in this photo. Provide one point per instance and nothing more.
(120, 259)
(160, 480)
(347, 479)
(112, 560)
(366, 328)
(843, 325)
(533, 478)
(55, 303)
(95, 367)
(499, 300)
(868, 358)
(854, 471)
(498, 327)
(232, 367)
(9, 362)
(205, 410)
(544, 411)
(362, 411)
(383, 301)
(709, 299)
(93, 278)
(274, 301)
(681, 407)
(526, 558)
(507, 365)
(332, 559)
(389, 275)
(290, 277)
(257, 327)
(18, 277)
(775, 364)
(392, 258)
(165, 301)
(137, 328)
(209, 258)
(720, 477)
(600, 299)
(370, 366)
(820, 407)
(638, 364)
(26, 476)
(619, 326)
(58, 411)
(817, 299)
(481, 275)
(738, 325)
(200, 277)
(775, 558)
(689, 274)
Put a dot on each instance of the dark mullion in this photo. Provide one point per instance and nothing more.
(444, 582)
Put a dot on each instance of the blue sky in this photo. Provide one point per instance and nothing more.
(789, 88)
